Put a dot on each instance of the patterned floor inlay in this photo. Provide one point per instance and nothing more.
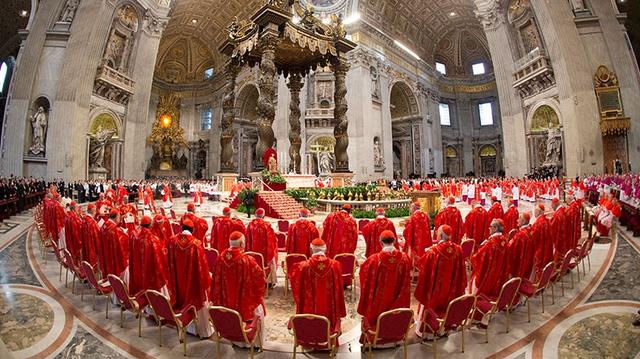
(621, 281)
(14, 265)
(606, 335)
(5, 227)
(24, 320)
(85, 345)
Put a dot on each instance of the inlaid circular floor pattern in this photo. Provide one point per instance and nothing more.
(24, 320)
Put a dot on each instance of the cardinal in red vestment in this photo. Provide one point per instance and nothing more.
(607, 210)
(129, 215)
(113, 255)
(222, 229)
(372, 231)
(261, 238)
(573, 222)
(162, 228)
(510, 218)
(301, 234)
(541, 239)
(73, 233)
(477, 224)
(188, 277)
(91, 236)
(417, 233)
(147, 260)
(340, 232)
(442, 277)
(55, 218)
(452, 217)
(385, 282)
(521, 249)
(238, 281)
(317, 286)
(559, 231)
(201, 225)
(490, 263)
(496, 210)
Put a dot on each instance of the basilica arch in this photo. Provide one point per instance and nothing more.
(105, 119)
(406, 130)
(246, 137)
(542, 116)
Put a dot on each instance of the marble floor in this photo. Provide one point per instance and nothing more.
(41, 318)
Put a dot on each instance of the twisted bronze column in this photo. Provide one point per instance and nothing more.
(228, 114)
(295, 84)
(340, 68)
(266, 109)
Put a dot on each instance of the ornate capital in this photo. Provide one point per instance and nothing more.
(154, 25)
(488, 12)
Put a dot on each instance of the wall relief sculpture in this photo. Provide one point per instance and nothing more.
(69, 10)
(39, 132)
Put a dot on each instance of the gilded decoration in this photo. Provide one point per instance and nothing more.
(488, 151)
(451, 152)
(544, 118)
(106, 122)
(167, 137)
(516, 9)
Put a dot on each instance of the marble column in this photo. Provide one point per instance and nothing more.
(227, 131)
(340, 67)
(295, 84)
(266, 109)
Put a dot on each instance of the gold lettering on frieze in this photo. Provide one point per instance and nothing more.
(468, 88)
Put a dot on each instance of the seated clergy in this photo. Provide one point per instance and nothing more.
(261, 238)
(317, 286)
(385, 282)
(188, 276)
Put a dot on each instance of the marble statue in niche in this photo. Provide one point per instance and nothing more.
(97, 146)
(114, 51)
(578, 4)
(378, 156)
(554, 146)
(326, 163)
(39, 132)
(375, 88)
(69, 10)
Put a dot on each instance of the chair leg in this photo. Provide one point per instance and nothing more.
(294, 344)
(106, 314)
(121, 316)
(572, 280)
(506, 312)
(435, 347)
(584, 271)
(486, 334)
(542, 295)
(73, 284)
(218, 346)
(140, 324)
(94, 301)
(528, 310)
(60, 274)
(405, 348)
(183, 333)
(81, 291)
(159, 333)
(461, 339)
(370, 350)
(251, 351)
(66, 278)
(553, 294)
(562, 285)
(589, 260)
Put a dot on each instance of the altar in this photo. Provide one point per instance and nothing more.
(300, 181)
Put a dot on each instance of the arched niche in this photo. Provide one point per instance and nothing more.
(113, 151)
(406, 128)
(246, 139)
(452, 161)
(32, 149)
(246, 103)
(122, 37)
(488, 160)
(540, 118)
(403, 103)
(543, 118)
(318, 146)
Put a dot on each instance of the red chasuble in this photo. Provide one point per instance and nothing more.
(385, 282)
(371, 233)
(261, 238)
(491, 266)
(238, 283)
(340, 233)
(496, 211)
(162, 231)
(417, 234)
(222, 229)
(147, 262)
(90, 240)
(521, 253)
(573, 216)
(317, 288)
(477, 225)
(452, 217)
(57, 219)
(543, 243)
(200, 225)
(114, 254)
(559, 231)
(510, 219)
(300, 236)
(188, 276)
(73, 236)
(442, 276)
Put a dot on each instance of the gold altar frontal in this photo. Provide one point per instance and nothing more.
(429, 200)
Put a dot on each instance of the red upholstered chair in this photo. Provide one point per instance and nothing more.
(314, 332)
(391, 326)
(283, 226)
(282, 242)
(75, 271)
(228, 324)
(61, 260)
(289, 261)
(348, 263)
(176, 227)
(529, 289)
(135, 304)
(562, 270)
(458, 315)
(585, 251)
(468, 246)
(212, 258)
(101, 287)
(165, 314)
(504, 302)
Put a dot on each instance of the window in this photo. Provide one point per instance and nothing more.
(208, 73)
(3, 75)
(486, 114)
(441, 68)
(478, 69)
(205, 119)
(445, 115)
